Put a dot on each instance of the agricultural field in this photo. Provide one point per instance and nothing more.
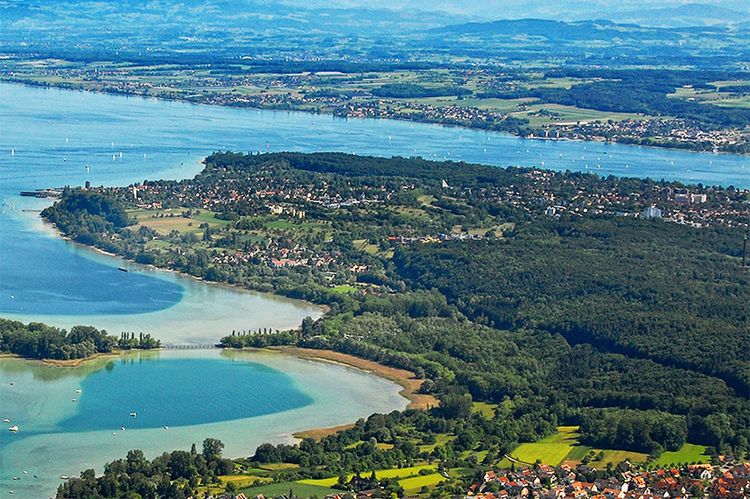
(300, 489)
(689, 453)
(416, 484)
(165, 221)
(545, 114)
(398, 473)
(564, 447)
(551, 450)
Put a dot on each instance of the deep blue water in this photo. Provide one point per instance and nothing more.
(54, 134)
(42, 275)
(180, 392)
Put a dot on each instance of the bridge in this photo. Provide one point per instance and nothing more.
(190, 346)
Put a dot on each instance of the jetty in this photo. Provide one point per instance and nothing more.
(42, 193)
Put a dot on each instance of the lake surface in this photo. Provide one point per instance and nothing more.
(242, 398)
(53, 138)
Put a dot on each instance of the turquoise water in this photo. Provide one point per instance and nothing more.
(242, 398)
(148, 389)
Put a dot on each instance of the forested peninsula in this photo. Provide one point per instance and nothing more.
(553, 298)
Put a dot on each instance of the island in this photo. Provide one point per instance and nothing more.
(66, 348)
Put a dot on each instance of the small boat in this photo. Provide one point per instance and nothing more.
(78, 390)
(122, 269)
(133, 414)
(122, 428)
(13, 429)
(166, 427)
(16, 478)
(75, 400)
(64, 477)
(6, 420)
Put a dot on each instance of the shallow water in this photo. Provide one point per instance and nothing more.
(242, 398)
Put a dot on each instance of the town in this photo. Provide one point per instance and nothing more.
(726, 481)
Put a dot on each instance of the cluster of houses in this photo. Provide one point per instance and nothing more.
(415, 111)
(431, 239)
(277, 257)
(565, 482)
(277, 194)
(707, 207)
(658, 130)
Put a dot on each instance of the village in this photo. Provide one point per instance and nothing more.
(727, 481)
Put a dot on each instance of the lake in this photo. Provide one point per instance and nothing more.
(53, 138)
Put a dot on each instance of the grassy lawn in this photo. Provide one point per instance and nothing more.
(484, 408)
(564, 447)
(551, 450)
(414, 484)
(280, 466)
(440, 439)
(343, 289)
(400, 473)
(241, 481)
(282, 488)
(165, 221)
(689, 453)
(615, 457)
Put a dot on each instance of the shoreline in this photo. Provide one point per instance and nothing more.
(79, 362)
(406, 379)
(403, 120)
(73, 363)
(322, 307)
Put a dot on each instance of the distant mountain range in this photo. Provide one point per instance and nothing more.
(377, 30)
(670, 13)
(601, 29)
(694, 14)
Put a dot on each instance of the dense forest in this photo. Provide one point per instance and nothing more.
(611, 283)
(84, 214)
(40, 341)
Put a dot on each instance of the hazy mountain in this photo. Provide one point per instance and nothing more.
(695, 14)
(707, 12)
(592, 42)
(374, 30)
